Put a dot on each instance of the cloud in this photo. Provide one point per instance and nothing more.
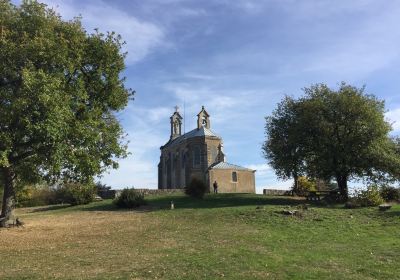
(132, 172)
(261, 168)
(145, 137)
(222, 102)
(141, 37)
(393, 116)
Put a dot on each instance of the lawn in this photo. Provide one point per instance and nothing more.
(222, 237)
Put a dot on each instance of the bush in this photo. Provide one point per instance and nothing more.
(304, 185)
(334, 197)
(351, 204)
(35, 195)
(75, 193)
(389, 193)
(42, 194)
(130, 198)
(369, 197)
(197, 188)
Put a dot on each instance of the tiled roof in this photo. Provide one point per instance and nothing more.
(193, 133)
(225, 165)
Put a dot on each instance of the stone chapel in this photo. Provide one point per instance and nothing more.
(199, 153)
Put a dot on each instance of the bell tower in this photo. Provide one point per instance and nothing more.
(203, 119)
(176, 124)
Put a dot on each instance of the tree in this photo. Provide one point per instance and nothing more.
(343, 134)
(283, 148)
(60, 88)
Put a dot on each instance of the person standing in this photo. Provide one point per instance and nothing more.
(215, 185)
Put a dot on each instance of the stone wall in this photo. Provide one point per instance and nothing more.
(111, 194)
(159, 191)
(276, 192)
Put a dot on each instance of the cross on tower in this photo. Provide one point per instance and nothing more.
(176, 108)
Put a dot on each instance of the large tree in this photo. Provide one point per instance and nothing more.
(283, 148)
(59, 90)
(342, 134)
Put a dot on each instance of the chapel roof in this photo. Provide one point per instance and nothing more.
(226, 165)
(197, 132)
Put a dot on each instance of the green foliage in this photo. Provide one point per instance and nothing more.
(60, 88)
(36, 195)
(129, 198)
(196, 188)
(390, 193)
(70, 193)
(331, 134)
(304, 185)
(76, 193)
(368, 197)
(102, 187)
(283, 148)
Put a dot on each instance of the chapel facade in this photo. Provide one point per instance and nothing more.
(199, 153)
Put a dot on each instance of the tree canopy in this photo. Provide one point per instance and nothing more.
(59, 90)
(331, 134)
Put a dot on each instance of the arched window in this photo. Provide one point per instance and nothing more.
(204, 121)
(234, 176)
(214, 154)
(183, 158)
(196, 156)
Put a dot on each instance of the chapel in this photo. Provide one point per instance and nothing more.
(199, 153)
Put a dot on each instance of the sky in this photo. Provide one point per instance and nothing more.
(238, 58)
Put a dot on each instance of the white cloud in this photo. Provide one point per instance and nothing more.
(132, 172)
(370, 44)
(393, 117)
(261, 168)
(141, 36)
(222, 103)
(147, 128)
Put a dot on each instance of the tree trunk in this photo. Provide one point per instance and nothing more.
(342, 184)
(295, 186)
(8, 196)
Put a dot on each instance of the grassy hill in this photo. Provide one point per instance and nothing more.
(223, 236)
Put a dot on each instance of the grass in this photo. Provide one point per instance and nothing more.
(223, 236)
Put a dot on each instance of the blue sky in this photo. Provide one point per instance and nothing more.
(238, 59)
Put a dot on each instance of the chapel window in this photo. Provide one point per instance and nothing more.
(234, 176)
(204, 121)
(183, 159)
(196, 156)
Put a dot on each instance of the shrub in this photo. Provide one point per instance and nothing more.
(130, 198)
(75, 193)
(351, 204)
(304, 185)
(369, 197)
(196, 188)
(35, 195)
(334, 197)
(389, 193)
(104, 191)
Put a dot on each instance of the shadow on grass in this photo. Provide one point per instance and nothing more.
(50, 208)
(210, 201)
(392, 213)
(107, 205)
(162, 202)
(220, 201)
